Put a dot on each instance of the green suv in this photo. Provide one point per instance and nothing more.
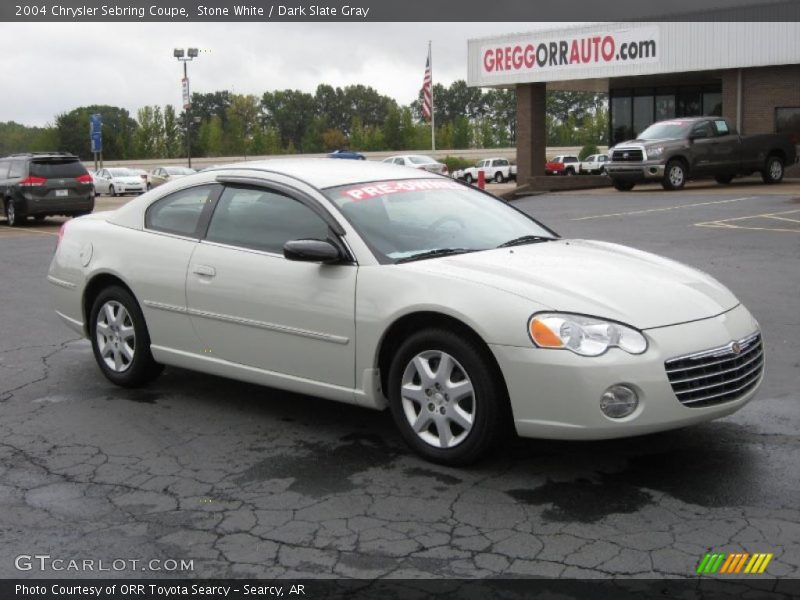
(40, 184)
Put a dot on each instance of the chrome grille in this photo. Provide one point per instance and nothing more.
(627, 155)
(717, 375)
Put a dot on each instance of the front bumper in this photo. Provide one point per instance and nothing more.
(556, 394)
(637, 171)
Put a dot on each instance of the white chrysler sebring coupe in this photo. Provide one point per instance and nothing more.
(381, 286)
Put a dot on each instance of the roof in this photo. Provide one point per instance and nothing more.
(327, 172)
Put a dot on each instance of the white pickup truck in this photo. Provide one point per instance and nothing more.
(498, 170)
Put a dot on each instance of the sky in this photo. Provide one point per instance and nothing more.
(130, 65)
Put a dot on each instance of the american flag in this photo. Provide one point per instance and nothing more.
(426, 90)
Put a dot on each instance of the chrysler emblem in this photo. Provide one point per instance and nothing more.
(736, 348)
(625, 155)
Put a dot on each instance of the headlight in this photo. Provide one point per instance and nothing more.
(655, 152)
(586, 336)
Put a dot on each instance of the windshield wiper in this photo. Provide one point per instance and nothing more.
(526, 239)
(434, 254)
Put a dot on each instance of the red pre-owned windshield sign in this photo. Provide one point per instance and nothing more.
(365, 191)
(549, 53)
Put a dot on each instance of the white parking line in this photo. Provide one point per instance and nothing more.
(662, 209)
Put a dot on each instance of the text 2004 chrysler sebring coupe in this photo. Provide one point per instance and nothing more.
(378, 285)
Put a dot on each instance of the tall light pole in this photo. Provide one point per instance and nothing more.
(190, 54)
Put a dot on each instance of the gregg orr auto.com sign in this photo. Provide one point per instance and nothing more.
(563, 53)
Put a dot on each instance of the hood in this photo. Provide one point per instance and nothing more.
(594, 278)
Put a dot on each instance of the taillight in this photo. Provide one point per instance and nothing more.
(32, 181)
(85, 178)
(444, 170)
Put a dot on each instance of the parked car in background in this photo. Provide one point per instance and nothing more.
(594, 164)
(563, 164)
(40, 184)
(143, 174)
(496, 169)
(676, 150)
(418, 161)
(93, 175)
(351, 154)
(389, 287)
(161, 175)
(116, 181)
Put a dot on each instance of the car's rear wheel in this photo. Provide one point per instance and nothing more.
(444, 397)
(112, 191)
(569, 171)
(468, 178)
(773, 170)
(120, 340)
(623, 186)
(12, 218)
(674, 175)
(498, 178)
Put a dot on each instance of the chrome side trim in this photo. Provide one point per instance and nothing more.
(167, 307)
(61, 283)
(316, 335)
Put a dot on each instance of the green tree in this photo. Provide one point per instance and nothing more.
(173, 134)
(290, 112)
(118, 131)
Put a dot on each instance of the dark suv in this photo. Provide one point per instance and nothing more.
(39, 184)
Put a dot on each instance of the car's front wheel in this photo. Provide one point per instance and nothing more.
(112, 191)
(674, 175)
(120, 340)
(445, 398)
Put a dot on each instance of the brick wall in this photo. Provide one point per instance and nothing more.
(531, 135)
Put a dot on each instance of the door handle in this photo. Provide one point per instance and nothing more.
(204, 270)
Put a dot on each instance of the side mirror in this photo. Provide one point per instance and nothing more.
(311, 251)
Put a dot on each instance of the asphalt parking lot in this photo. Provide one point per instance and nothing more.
(248, 481)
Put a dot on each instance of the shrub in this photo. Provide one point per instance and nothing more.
(454, 163)
(588, 150)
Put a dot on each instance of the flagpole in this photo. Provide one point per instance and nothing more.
(433, 123)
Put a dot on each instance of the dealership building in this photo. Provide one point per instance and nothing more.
(746, 72)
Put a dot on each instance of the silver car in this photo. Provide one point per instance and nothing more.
(418, 161)
(116, 181)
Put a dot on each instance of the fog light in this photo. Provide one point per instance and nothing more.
(618, 401)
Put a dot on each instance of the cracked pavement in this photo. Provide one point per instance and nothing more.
(255, 482)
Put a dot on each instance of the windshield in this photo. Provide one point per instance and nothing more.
(666, 130)
(122, 173)
(401, 219)
(179, 171)
(421, 160)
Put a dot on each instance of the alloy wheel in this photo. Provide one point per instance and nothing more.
(438, 399)
(116, 337)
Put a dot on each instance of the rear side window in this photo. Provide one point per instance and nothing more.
(4, 164)
(180, 213)
(570, 159)
(722, 127)
(261, 219)
(55, 169)
(17, 169)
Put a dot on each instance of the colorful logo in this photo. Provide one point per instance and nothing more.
(734, 563)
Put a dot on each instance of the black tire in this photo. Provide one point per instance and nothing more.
(773, 170)
(623, 186)
(569, 171)
(674, 175)
(468, 178)
(488, 401)
(12, 218)
(149, 187)
(602, 171)
(112, 191)
(723, 179)
(498, 178)
(142, 368)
